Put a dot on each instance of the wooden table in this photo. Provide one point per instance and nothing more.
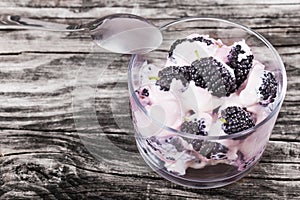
(47, 153)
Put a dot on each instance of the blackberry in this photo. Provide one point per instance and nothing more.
(241, 68)
(268, 88)
(236, 119)
(173, 46)
(176, 142)
(142, 93)
(179, 41)
(168, 144)
(145, 92)
(213, 75)
(211, 150)
(166, 75)
(186, 72)
(196, 127)
(154, 143)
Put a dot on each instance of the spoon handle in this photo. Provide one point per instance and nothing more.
(18, 22)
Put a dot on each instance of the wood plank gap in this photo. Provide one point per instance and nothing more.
(281, 162)
(272, 179)
(49, 52)
(39, 130)
(285, 140)
(30, 152)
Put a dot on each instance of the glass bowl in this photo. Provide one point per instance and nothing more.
(196, 160)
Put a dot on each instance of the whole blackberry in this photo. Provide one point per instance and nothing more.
(211, 150)
(241, 68)
(213, 75)
(236, 119)
(166, 75)
(179, 41)
(268, 88)
(196, 127)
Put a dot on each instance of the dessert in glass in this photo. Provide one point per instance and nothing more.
(204, 104)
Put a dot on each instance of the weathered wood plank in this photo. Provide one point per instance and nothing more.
(286, 40)
(128, 3)
(37, 92)
(59, 166)
(15, 142)
(120, 187)
(169, 12)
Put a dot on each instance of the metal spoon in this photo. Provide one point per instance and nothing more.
(119, 33)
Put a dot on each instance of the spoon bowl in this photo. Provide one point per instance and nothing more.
(125, 33)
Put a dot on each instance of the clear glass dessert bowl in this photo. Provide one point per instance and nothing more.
(205, 102)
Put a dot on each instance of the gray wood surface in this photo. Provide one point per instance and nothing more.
(46, 155)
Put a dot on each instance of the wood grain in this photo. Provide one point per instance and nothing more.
(45, 156)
